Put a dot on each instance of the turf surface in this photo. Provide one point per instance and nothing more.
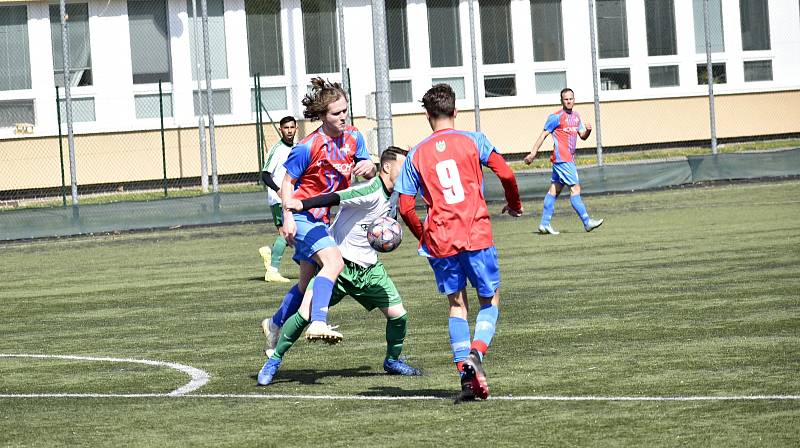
(682, 293)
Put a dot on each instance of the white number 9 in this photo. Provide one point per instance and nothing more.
(450, 180)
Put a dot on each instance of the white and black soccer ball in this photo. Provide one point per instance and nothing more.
(384, 234)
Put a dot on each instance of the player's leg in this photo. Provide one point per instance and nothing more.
(331, 261)
(589, 224)
(272, 257)
(271, 326)
(288, 335)
(549, 205)
(483, 272)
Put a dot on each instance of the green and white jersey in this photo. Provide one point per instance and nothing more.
(274, 166)
(359, 205)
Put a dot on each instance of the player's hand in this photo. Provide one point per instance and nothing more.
(529, 158)
(294, 205)
(511, 211)
(588, 125)
(289, 229)
(364, 168)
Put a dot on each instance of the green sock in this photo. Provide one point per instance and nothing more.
(395, 334)
(278, 247)
(290, 332)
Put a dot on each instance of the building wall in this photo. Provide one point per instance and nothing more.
(117, 146)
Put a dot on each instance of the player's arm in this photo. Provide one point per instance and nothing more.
(585, 130)
(266, 177)
(498, 164)
(323, 200)
(406, 205)
(364, 166)
(529, 158)
(289, 229)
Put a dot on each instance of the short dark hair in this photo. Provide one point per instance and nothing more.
(321, 95)
(440, 101)
(287, 119)
(565, 90)
(391, 153)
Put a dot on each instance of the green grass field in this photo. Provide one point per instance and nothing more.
(682, 293)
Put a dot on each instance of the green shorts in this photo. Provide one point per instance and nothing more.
(371, 287)
(277, 214)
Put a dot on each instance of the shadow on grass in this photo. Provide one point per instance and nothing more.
(391, 391)
(309, 376)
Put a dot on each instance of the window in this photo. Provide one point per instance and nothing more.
(660, 20)
(497, 41)
(444, 33)
(754, 16)
(757, 71)
(216, 40)
(612, 29)
(615, 79)
(150, 56)
(16, 111)
(82, 109)
(548, 32)
(15, 62)
(264, 37)
(220, 98)
(397, 34)
(715, 30)
(550, 82)
(401, 91)
(457, 84)
(504, 85)
(664, 76)
(147, 106)
(273, 98)
(80, 56)
(320, 35)
(717, 71)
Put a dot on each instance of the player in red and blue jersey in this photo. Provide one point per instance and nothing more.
(323, 162)
(446, 168)
(565, 125)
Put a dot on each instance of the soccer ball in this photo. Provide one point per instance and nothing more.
(384, 234)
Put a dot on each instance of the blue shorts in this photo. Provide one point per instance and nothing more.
(565, 173)
(479, 266)
(312, 236)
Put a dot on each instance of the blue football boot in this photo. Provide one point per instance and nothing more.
(268, 371)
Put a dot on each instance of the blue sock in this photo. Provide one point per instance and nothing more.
(459, 338)
(580, 209)
(547, 210)
(485, 325)
(290, 305)
(321, 298)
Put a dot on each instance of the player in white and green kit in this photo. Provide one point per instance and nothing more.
(364, 277)
(272, 174)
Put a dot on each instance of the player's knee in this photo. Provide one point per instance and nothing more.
(395, 311)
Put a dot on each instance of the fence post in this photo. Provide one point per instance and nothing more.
(163, 142)
(474, 63)
(710, 76)
(383, 96)
(598, 135)
(61, 150)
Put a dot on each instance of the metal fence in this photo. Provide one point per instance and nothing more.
(176, 118)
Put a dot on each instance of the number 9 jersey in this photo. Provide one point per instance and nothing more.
(446, 168)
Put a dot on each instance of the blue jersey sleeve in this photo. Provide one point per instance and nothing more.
(552, 123)
(361, 148)
(298, 160)
(581, 126)
(485, 147)
(408, 182)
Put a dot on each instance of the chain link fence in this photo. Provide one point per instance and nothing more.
(143, 74)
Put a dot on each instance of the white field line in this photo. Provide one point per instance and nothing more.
(417, 397)
(199, 377)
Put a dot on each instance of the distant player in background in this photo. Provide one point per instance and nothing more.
(457, 235)
(323, 162)
(364, 278)
(272, 173)
(565, 125)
